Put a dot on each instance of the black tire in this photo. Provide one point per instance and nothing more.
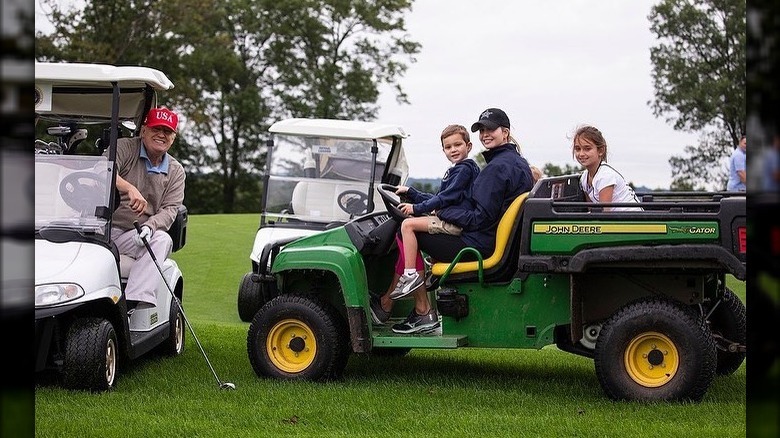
(174, 345)
(728, 323)
(91, 355)
(250, 298)
(655, 349)
(298, 337)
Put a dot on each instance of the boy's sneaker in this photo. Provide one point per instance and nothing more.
(415, 323)
(378, 314)
(406, 285)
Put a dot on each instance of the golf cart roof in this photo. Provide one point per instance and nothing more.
(84, 91)
(78, 74)
(337, 128)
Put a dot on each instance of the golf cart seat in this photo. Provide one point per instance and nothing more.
(319, 200)
(560, 188)
(504, 235)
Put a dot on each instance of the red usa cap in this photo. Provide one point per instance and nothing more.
(162, 117)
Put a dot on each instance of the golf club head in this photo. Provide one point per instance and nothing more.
(227, 385)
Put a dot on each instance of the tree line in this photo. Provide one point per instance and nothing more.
(240, 65)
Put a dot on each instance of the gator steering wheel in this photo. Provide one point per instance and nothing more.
(391, 200)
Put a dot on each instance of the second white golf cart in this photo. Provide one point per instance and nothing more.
(320, 173)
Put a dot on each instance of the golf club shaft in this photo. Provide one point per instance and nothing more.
(178, 303)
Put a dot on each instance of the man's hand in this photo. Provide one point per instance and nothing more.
(145, 234)
(137, 201)
(400, 190)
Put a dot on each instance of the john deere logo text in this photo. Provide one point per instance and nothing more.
(599, 228)
(572, 229)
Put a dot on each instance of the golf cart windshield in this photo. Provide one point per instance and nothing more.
(72, 193)
(78, 105)
(323, 179)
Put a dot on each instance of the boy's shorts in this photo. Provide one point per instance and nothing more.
(438, 226)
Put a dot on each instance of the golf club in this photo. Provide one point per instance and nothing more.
(222, 385)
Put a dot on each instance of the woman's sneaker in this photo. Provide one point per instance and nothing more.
(406, 285)
(415, 323)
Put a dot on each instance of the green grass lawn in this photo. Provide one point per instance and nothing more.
(465, 392)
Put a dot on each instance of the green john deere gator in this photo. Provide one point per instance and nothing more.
(642, 293)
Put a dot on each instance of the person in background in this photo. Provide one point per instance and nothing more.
(151, 187)
(737, 167)
(600, 181)
(505, 176)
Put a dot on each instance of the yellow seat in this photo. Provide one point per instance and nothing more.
(502, 240)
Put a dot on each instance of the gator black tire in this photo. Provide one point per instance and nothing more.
(655, 349)
(91, 355)
(728, 322)
(297, 337)
(174, 345)
(250, 298)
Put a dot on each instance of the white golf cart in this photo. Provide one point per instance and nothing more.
(82, 328)
(319, 174)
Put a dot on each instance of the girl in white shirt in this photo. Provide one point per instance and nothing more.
(600, 181)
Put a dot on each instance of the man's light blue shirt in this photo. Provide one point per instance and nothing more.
(162, 168)
(736, 163)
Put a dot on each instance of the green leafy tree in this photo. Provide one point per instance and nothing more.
(338, 52)
(239, 65)
(699, 79)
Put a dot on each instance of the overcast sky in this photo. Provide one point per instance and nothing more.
(551, 65)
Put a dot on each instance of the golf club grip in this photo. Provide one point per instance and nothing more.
(146, 244)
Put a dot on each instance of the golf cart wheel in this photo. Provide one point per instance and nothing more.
(297, 337)
(728, 323)
(655, 349)
(250, 298)
(91, 354)
(174, 345)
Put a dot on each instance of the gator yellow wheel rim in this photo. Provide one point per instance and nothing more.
(651, 359)
(291, 345)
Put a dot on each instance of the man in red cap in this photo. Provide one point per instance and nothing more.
(151, 185)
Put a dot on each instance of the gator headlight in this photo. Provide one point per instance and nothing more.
(50, 294)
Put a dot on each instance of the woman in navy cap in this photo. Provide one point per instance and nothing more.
(506, 175)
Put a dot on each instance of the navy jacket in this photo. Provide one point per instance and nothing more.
(455, 189)
(505, 176)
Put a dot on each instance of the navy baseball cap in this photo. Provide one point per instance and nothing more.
(491, 119)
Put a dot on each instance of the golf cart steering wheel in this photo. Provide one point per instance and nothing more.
(82, 191)
(391, 200)
(353, 202)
